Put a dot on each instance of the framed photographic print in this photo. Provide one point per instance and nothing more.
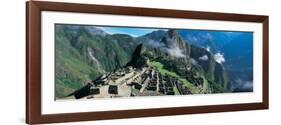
(93, 62)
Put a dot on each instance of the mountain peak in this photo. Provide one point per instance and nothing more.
(172, 33)
(154, 35)
(173, 40)
(137, 59)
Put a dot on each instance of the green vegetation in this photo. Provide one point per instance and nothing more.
(74, 64)
(160, 67)
(176, 90)
(217, 88)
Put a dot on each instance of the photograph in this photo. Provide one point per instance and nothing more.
(92, 61)
(96, 61)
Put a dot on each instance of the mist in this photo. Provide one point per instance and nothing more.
(219, 57)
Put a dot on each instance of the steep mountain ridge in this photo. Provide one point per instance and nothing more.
(75, 48)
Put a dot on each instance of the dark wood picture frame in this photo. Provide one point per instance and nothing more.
(33, 61)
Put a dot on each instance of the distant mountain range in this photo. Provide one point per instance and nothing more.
(236, 48)
(83, 53)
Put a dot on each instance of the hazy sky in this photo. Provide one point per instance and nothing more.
(135, 32)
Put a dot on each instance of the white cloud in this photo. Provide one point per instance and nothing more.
(193, 61)
(154, 44)
(208, 48)
(204, 58)
(176, 52)
(242, 84)
(219, 58)
(173, 49)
